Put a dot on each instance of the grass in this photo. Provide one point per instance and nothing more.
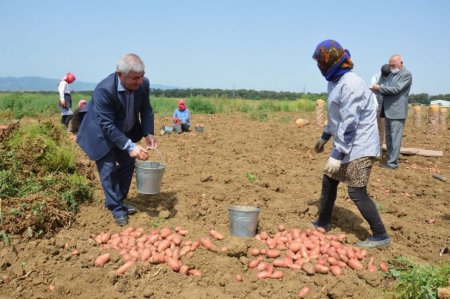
(418, 281)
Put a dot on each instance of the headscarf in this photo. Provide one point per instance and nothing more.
(181, 105)
(82, 103)
(69, 78)
(332, 60)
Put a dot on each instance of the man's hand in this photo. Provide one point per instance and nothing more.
(152, 143)
(176, 120)
(320, 144)
(139, 153)
(62, 102)
(374, 87)
(333, 165)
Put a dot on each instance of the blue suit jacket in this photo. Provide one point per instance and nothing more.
(102, 126)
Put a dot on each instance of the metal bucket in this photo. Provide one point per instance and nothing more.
(149, 176)
(177, 128)
(199, 129)
(243, 220)
(165, 130)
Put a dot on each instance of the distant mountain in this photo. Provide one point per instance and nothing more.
(46, 84)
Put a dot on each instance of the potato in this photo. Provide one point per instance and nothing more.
(254, 251)
(336, 270)
(206, 242)
(355, 264)
(383, 267)
(308, 268)
(163, 245)
(253, 264)
(272, 253)
(276, 274)
(183, 269)
(321, 269)
(165, 232)
(295, 246)
(174, 264)
(195, 272)
(304, 292)
(125, 267)
(263, 275)
(102, 259)
(238, 277)
(215, 234)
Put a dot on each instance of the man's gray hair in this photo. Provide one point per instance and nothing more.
(130, 62)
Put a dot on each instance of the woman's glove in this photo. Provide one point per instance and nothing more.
(333, 165)
(320, 144)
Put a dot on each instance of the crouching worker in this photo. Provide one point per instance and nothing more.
(119, 115)
(352, 122)
(77, 118)
(181, 116)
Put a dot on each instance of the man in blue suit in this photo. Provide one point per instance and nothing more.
(119, 116)
(395, 94)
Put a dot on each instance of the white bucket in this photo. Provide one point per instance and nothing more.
(243, 220)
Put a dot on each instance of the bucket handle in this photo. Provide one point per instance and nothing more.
(161, 156)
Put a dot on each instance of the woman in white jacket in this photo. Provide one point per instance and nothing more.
(352, 123)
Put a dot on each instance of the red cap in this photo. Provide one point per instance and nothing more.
(69, 78)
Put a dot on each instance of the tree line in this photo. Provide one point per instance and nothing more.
(250, 94)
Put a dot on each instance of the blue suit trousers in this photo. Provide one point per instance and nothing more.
(116, 172)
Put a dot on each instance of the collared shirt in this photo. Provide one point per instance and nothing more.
(352, 119)
(129, 117)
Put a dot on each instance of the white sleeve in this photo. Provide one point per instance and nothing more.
(61, 88)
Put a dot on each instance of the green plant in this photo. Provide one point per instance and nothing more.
(5, 237)
(418, 281)
(259, 115)
(250, 176)
(201, 106)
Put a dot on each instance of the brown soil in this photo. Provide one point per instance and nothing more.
(206, 173)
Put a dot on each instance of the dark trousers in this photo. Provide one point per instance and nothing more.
(116, 171)
(65, 120)
(359, 196)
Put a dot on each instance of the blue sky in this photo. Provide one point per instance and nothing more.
(250, 44)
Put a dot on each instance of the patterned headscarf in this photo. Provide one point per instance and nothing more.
(332, 60)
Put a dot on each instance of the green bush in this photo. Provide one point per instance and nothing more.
(418, 281)
(201, 106)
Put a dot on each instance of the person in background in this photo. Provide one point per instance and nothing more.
(77, 118)
(65, 99)
(118, 117)
(181, 116)
(395, 94)
(381, 78)
(352, 124)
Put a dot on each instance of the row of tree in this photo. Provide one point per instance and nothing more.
(248, 94)
(421, 98)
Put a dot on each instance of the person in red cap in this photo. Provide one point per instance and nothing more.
(65, 99)
(181, 116)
